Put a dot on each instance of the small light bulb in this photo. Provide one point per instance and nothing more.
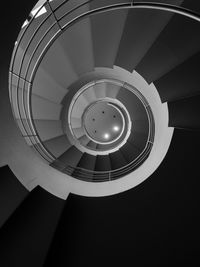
(106, 135)
(116, 128)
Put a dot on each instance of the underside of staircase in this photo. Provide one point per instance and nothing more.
(156, 223)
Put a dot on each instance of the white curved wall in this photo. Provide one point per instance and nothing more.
(31, 170)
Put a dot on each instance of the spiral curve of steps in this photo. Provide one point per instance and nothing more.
(97, 92)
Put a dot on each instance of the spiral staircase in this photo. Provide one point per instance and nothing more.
(101, 95)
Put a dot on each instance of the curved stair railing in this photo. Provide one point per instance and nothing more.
(48, 23)
(28, 51)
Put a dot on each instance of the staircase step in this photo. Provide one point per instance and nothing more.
(12, 193)
(130, 152)
(43, 109)
(172, 47)
(56, 56)
(58, 145)
(185, 113)
(107, 29)
(142, 28)
(100, 90)
(48, 129)
(182, 81)
(27, 235)
(117, 160)
(77, 43)
(87, 162)
(103, 163)
(47, 87)
(134, 106)
(71, 157)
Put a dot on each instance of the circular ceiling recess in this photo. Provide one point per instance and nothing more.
(103, 122)
(89, 92)
(110, 124)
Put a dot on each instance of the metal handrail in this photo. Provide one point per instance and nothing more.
(30, 122)
(109, 175)
(42, 150)
(39, 148)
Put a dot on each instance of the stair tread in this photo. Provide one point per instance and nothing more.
(172, 47)
(30, 229)
(12, 194)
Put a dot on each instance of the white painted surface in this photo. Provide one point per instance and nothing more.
(31, 170)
